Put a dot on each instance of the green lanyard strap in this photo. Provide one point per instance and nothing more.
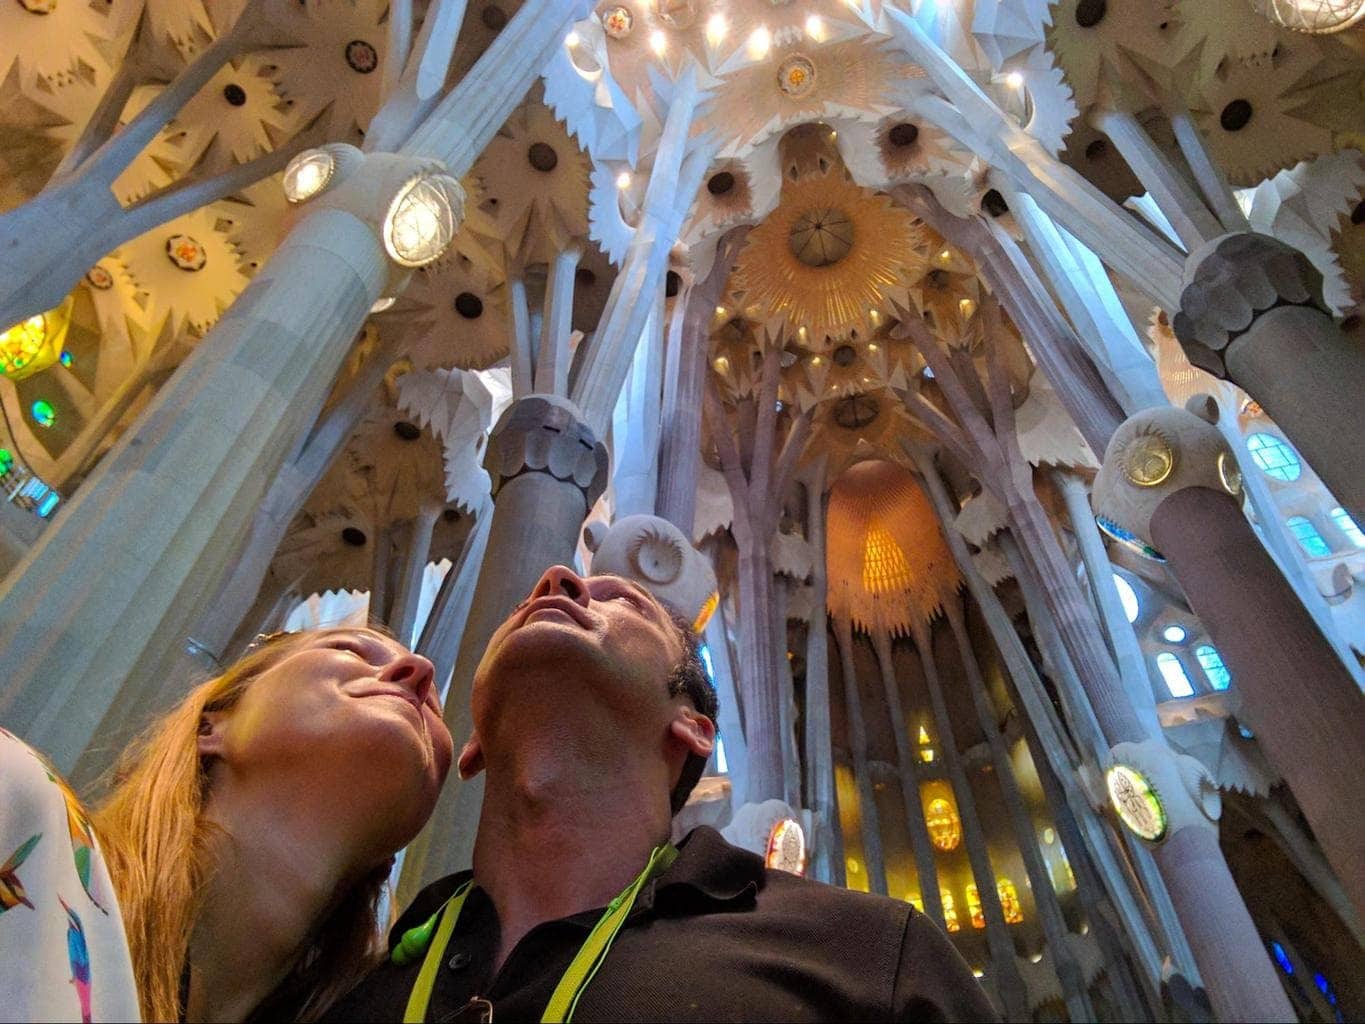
(560, 1009)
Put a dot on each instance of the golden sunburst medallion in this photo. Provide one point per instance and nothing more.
(828, 256)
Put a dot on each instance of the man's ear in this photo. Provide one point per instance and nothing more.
(693, 730)
(211, 728)
(471, 758)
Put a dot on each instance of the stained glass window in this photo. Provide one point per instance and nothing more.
(1274, 456)
(1348, 526)
(945, 828)
(949, 911)
(1308, 537)
(1127, 597)
(1177, 682)
(974, 907)
(1212, 664)
(1009, 901)
(43, 413)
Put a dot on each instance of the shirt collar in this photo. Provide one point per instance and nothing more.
(710, 867)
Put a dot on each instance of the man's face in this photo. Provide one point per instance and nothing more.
(610, 642)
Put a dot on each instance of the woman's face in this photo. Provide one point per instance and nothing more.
(349, 721)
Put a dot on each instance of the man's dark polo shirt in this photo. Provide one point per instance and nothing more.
(717, 937)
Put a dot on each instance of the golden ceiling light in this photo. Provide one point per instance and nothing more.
(885, 555)
(1315, 16)
(828, 254)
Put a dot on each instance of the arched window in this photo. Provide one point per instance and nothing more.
(1212, 664)
(1009, 901)
(1274, 456)
(1348, 526)
(1177, 682)
(1127, 597)
(1308, 537)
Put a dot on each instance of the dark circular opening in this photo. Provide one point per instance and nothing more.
(903, 134)
(844, 355)
(994, 203)
(1235, 116)
(584, 278)
(493, 17)
(672, 282)
(856, 411)
(1358, 214)
(469, 305)
(451, 515)
(936, 278)
(234, 94)
(361, 56)
(1090, 13)
(356, 538)
(542, 157)
(720, 183)
(407, 431)
(1097, 150)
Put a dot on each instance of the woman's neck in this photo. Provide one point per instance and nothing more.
(558, 836)
(272, 878)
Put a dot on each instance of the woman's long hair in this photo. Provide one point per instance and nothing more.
(159, 848)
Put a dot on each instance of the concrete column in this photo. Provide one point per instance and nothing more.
(862, 771)
(411, 571)
(146, 529)
(786, 697)
(1123, 642)
(553, 356)
(635, 424)
(1008, 981)
(758, 674)
(1174, 194)
(1213, 184)
(1306, 711)
(827, 860)
(1252, 312)
(444, 628)
(925, 867)
(548, 469)
(1040, 880)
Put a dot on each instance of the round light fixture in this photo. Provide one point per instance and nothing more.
(308, 174)
(1315, 16)
(1229, 474)
(1148, 459)
(787, 847)
(1136, 802)
(422, 219)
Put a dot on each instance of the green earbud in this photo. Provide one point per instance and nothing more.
(414, 942)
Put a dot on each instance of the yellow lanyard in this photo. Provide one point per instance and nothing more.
(560, 1008)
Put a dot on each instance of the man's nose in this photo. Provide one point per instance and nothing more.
(412, 672)
(561, 580)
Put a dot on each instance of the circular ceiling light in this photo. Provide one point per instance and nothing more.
(421, 219)
(821, 237)
(1315, 16)
(308, 174)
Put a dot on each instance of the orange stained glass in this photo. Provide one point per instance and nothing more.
(945, 827)
(974, 907)
(885, 568)
(949, 911)
(1009, 901)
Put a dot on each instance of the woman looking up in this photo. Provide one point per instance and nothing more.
(249, 833)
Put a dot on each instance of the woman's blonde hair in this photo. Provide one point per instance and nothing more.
(158, 846)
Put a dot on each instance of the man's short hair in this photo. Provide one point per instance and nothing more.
(689, 679)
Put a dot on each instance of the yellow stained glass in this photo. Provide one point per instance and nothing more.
(949, 911)
(1009, 901)
(945, 827)
(33, 345)
(974, 907)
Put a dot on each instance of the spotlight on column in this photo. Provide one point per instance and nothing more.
(658, 42)
(623, 180)
(422, 219)
(308, 174)
(715, 29)
(1014, 80)
(572, 40)
(759, 42)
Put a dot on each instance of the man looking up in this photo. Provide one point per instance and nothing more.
(593, 719)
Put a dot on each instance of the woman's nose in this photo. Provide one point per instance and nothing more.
(412, 672)
(560, 579)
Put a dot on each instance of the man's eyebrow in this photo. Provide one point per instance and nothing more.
(630, 585)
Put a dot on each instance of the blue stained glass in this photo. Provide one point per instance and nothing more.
(1308, 537)
(1177, 682)
(1348, 526)
(49, 503)
(1212, 664)
(1281, 957)
(707, 663)
(1274, 456)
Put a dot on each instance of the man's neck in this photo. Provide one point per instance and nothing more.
(272, 879)
(563, 832)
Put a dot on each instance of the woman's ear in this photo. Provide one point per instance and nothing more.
(211, 728)
(471, 758)
(693, 730)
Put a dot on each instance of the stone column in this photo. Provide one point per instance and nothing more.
(857, 744)
(827, 861)
(925, 868)
(1252, 312)
(444, 628)
(1074, 991)
(1099, 572)
(1008, 981)
(547, 469)
(635, 424)
(1166, 480)
(685, 381)
(411, 572)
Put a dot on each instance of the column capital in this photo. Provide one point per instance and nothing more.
(1187, 795)
(546, 434)
(1153, 454)
(1228, 283)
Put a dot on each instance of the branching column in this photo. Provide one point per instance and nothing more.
(925, 867)
(868, 817)
(1008, 981)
